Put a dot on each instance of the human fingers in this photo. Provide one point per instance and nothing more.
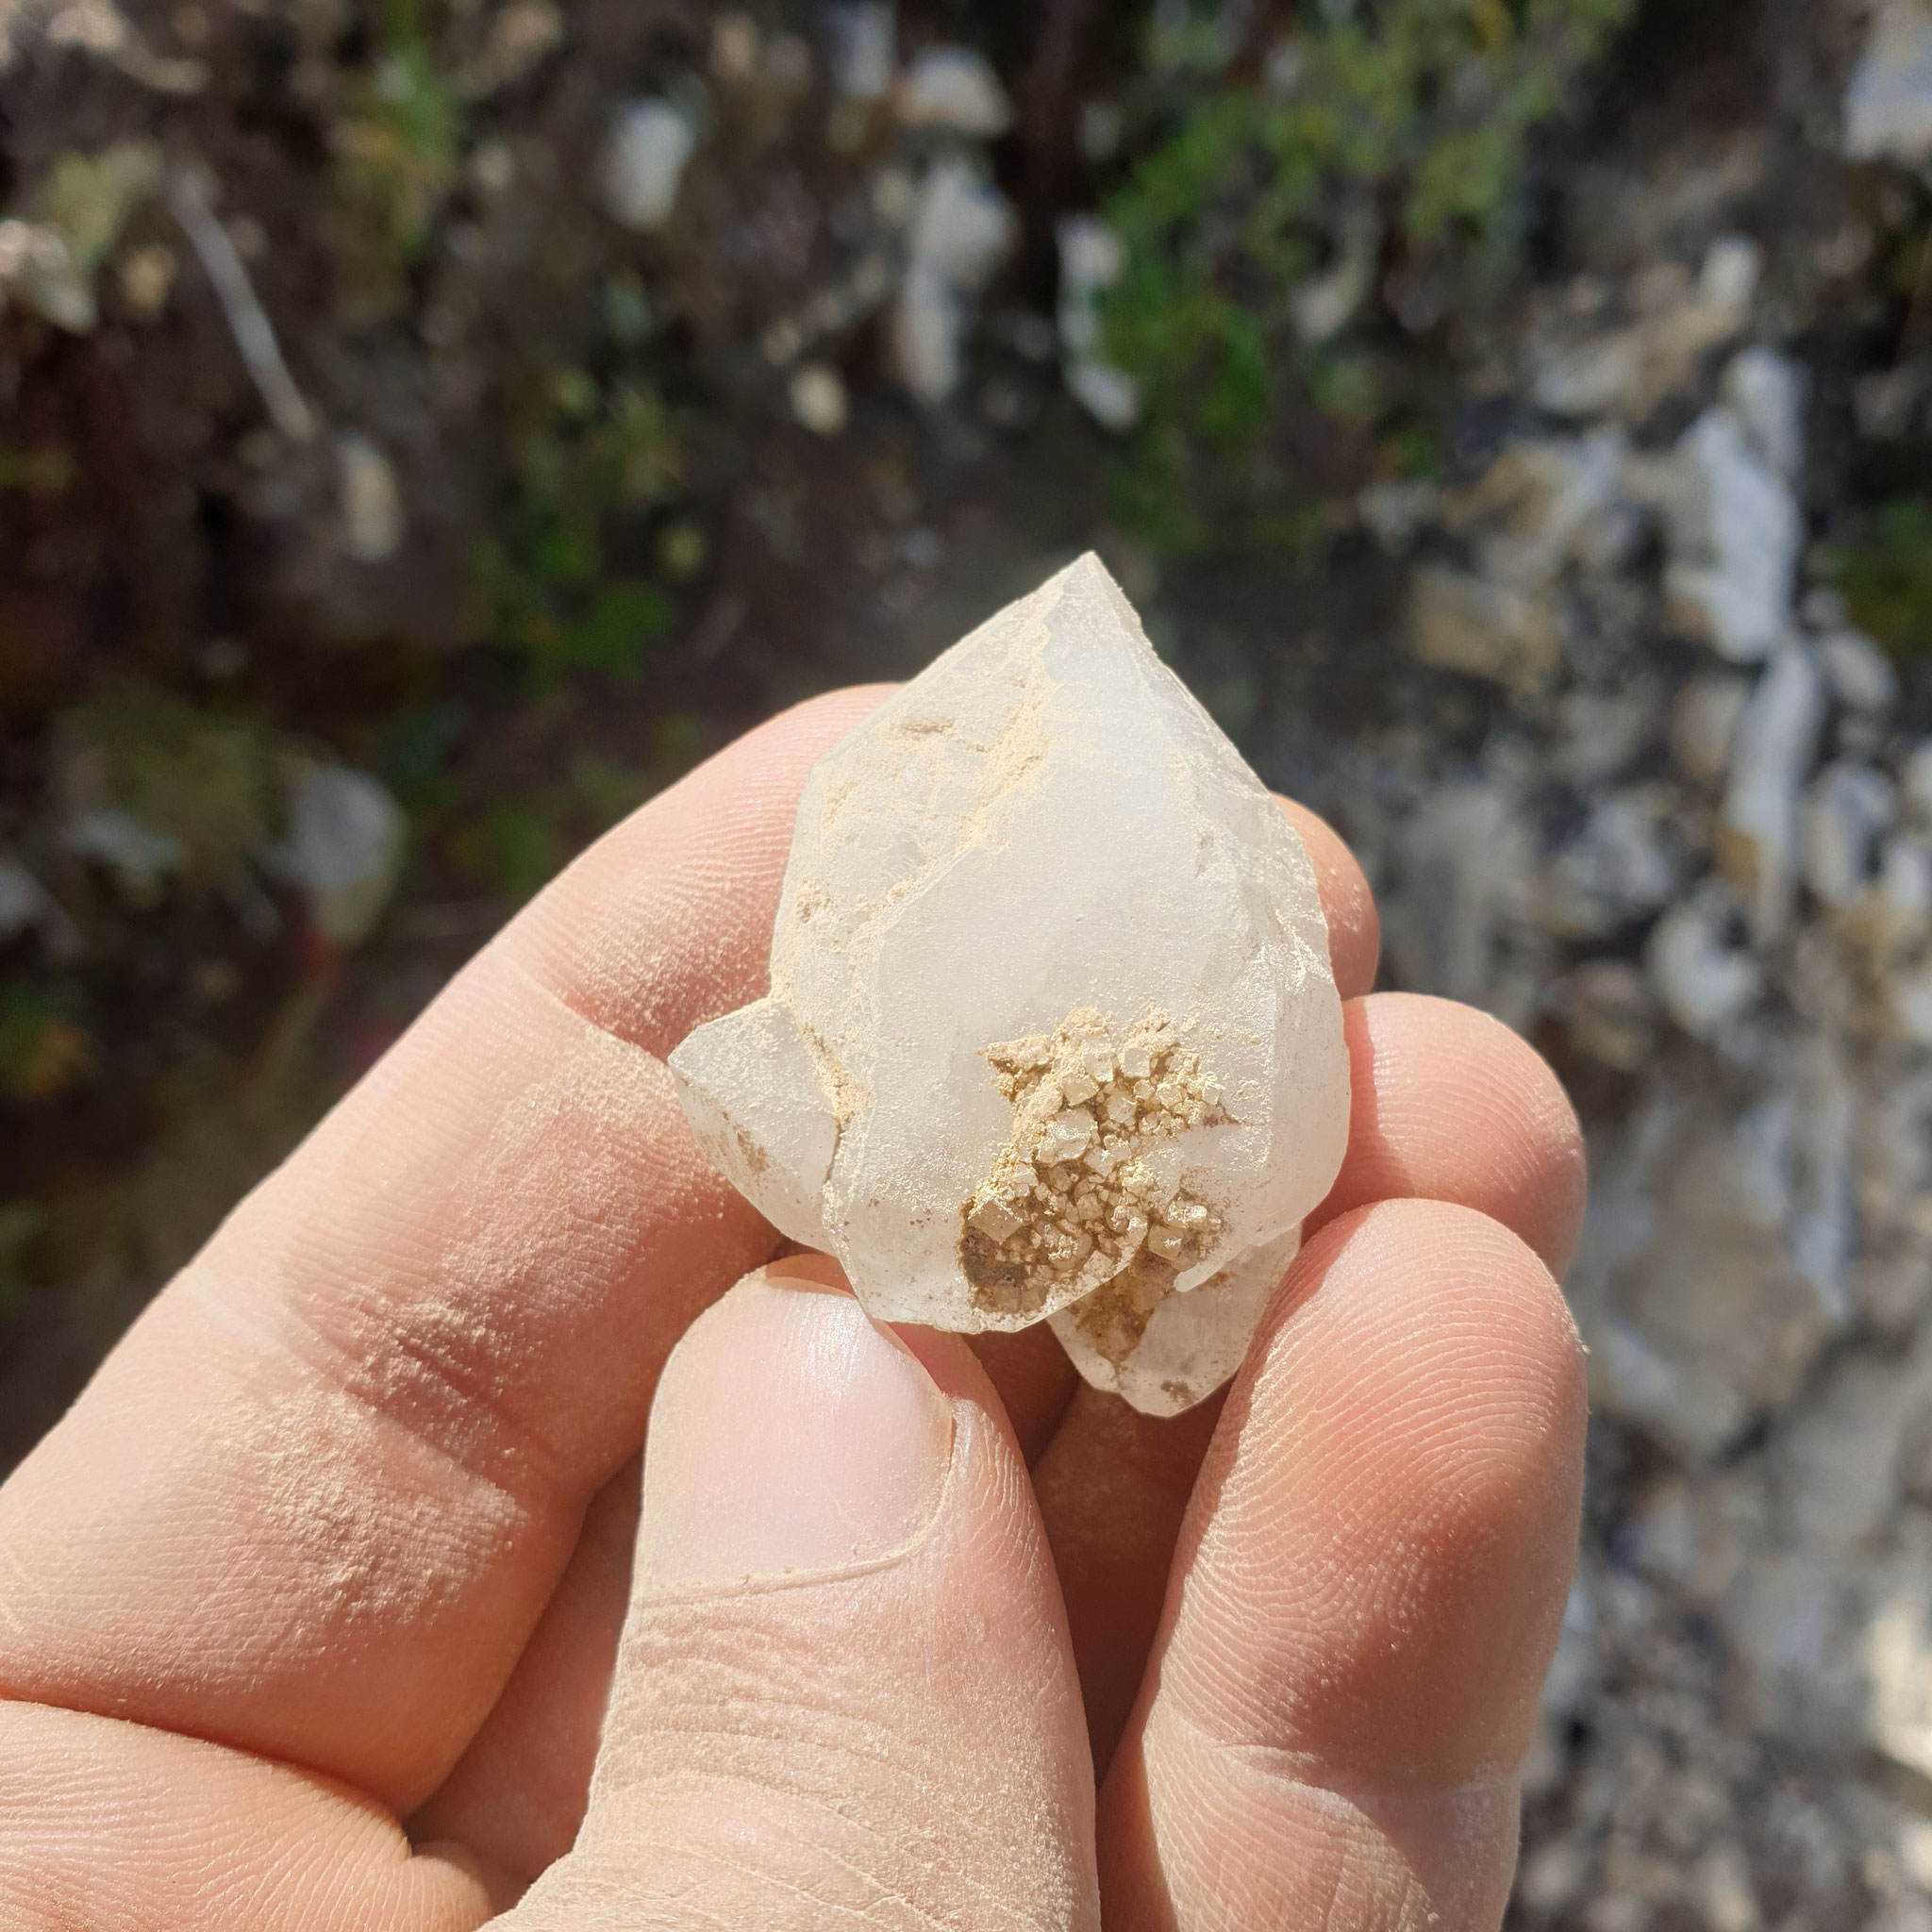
(843, 1695)
(520, 1786)
(517, 1793)
(1446, 1106)
(1364, 1599)
(315, 1502)
(107, 1826)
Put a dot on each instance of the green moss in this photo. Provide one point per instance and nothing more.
(203, 779)
(1421, 108)
(41, 1051)
(90, 197)
(399, 152)
(1885, 576)
(595, 472)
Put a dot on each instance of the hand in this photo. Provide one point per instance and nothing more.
(311, 1609)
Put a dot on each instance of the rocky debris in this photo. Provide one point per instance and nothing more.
(819, 399)
(1092, 258)
(373, 523)
(1700, 768)
(343, 849)
(1589, 359)
(1888, 105)
(953, 90)
(960, 230)
(863, 38)
(1733, 530)
(1489, 629)
(140, 857)
(37, 268)
(1772, 751)
(28, 906)
(651, 142)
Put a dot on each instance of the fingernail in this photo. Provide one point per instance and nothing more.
(789, 1434)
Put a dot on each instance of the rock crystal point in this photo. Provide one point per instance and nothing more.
(1052, 1033)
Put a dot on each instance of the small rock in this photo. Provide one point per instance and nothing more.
(1547, 502)
(736, 45)
(644, 165)
(1321, 307)
(1735, 535)
(961, 225)
(1757, 836)
(1767, 393)
(1915, 781)
(1092, 259)
(373, 523)
(1724, 1890)
(1396, 514)
(1848, 809)
(1586, 371)
(1468, 624)
(37, 268)
(819, 399)
(1904, 884)
(141, 858)
(1841, 1460)
(961, 228)
(1459, 924)
(1888, 103)
(1704, 723)
(929, 323)
(1599, 732)
(1706, 978)
(1109, 396)
(521, 35)
(147, 280)
(1861, 674)
(1698, 1318)
(863, 50)
(954, 88)
(22, 899)
(1785, 1619)
(343, 848)
(1896, 1652)
(1610, 1014)
(1622, 867)
(1727, 282)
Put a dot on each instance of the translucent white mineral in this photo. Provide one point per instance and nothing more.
(1051, 1032)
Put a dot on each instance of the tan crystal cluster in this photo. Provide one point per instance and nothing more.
(1076, 1194)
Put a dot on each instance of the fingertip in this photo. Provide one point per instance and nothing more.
(1449, 1105)
(1408, 1438)
(1355, 927)
(1366, 1595)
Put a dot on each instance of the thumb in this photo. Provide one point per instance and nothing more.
(844, 1693)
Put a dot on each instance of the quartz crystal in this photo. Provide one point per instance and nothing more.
(1052, 1033)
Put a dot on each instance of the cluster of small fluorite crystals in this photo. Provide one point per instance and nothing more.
(1075, 1196)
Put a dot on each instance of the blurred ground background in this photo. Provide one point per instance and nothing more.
(428, 426)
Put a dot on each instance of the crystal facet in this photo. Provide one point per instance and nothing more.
(1052, 1032)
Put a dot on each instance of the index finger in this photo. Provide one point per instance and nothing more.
(314, 1503)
